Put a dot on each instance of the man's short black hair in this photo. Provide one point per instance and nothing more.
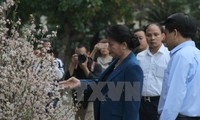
(154, 23)
(86, 46)
(137, 30)
(183, 23)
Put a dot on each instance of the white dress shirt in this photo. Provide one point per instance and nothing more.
(153, 66)
(181, 85)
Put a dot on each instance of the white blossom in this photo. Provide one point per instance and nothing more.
(54, 33)
(44, 29)
(26, 78)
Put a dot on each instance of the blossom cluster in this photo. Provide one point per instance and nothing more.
(28, 82)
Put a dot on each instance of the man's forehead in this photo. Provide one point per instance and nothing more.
(81, 50)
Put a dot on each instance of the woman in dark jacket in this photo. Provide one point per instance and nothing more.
(120, 84)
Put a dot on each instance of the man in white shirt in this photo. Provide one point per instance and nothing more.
(153, 62)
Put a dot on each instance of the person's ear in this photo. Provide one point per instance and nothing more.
(124, 45)
(163, 36)
(175, 33)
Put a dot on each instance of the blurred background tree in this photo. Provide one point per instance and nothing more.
(78, 20)
(85, 20)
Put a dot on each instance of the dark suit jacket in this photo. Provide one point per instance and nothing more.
(127, 71)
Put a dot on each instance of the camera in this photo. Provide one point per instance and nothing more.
(82, 58)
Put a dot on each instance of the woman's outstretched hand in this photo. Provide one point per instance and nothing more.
(71, 83)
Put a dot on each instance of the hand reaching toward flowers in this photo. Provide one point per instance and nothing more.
(71, 83)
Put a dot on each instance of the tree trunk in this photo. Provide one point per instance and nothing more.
(69, 39)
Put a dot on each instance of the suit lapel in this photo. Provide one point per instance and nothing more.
(108, 70)
(120, 67)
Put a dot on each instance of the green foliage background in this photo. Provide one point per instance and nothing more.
(85, 20)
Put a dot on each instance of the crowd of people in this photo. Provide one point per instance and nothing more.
(160, 75)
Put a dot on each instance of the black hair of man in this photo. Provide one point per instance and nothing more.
(81, 45)
(185, 24)
(138, 30)
(157, 24)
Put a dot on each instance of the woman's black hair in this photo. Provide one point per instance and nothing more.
(121, 33)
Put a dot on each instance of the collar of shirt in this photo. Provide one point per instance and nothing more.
(161, 50)
(180, 46)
